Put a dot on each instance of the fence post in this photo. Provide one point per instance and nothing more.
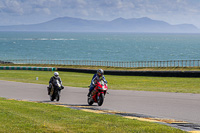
(193, 63)
(178, 63)
(182, 63)
(185, 63)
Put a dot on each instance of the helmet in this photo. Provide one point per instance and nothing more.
(56, 74)
(100, 72)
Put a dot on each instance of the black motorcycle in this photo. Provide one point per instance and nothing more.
(55, 91)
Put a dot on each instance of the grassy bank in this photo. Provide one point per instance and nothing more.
(112, 68)
(161, 84)
(24, 117)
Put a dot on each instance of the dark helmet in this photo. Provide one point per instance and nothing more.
(100, 72)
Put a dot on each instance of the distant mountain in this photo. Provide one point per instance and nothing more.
(68, 24)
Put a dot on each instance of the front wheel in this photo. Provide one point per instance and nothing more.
(90, 100)
(100, 99)
(52, 97)
(58, 96)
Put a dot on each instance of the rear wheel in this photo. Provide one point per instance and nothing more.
(100, 99)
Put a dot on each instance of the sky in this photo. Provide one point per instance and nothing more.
(15, 12)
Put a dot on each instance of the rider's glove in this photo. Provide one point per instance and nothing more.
(93, 83)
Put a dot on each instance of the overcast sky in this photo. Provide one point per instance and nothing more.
(14, 12)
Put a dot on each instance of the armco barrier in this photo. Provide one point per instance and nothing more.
(111, 72)
(77, 70)
(156, 73)
(27, 68)
(139, 73)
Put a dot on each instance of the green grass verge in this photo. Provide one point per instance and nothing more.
(28, 117)
(140, 83)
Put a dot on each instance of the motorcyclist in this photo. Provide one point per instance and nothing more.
(52, 81)
(97, 77)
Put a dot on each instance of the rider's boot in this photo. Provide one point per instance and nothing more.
(89, 93)
(48, 89)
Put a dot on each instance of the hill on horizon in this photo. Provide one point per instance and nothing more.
(69, 24)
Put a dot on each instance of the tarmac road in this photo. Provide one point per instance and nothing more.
(178, 106)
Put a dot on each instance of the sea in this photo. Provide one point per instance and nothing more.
(99, 46)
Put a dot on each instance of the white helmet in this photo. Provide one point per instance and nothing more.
(56, 74)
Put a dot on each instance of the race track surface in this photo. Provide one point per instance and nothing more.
(178, 106)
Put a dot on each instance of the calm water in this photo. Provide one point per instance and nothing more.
(99, 46)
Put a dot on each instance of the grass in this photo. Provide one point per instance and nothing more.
(29, 117)
(26, 117)
(140, 83)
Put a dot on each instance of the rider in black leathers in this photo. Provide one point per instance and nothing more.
(53, 82)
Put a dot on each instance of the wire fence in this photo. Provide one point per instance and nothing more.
(130, 64)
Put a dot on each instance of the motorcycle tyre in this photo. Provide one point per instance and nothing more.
(90, 100)
(58, 97)
(52, 98)
(100, 100)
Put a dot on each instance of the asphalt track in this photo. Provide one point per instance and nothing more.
(178, 106)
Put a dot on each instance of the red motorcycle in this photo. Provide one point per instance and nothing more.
(98, 94)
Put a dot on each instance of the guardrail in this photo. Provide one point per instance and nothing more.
(138, 73)
(128, 64)
(27, 68)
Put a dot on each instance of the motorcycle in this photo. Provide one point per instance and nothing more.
(98, 94)
(55, 91)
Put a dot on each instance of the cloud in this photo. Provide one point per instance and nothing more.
(111, 8)
(11, 7)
